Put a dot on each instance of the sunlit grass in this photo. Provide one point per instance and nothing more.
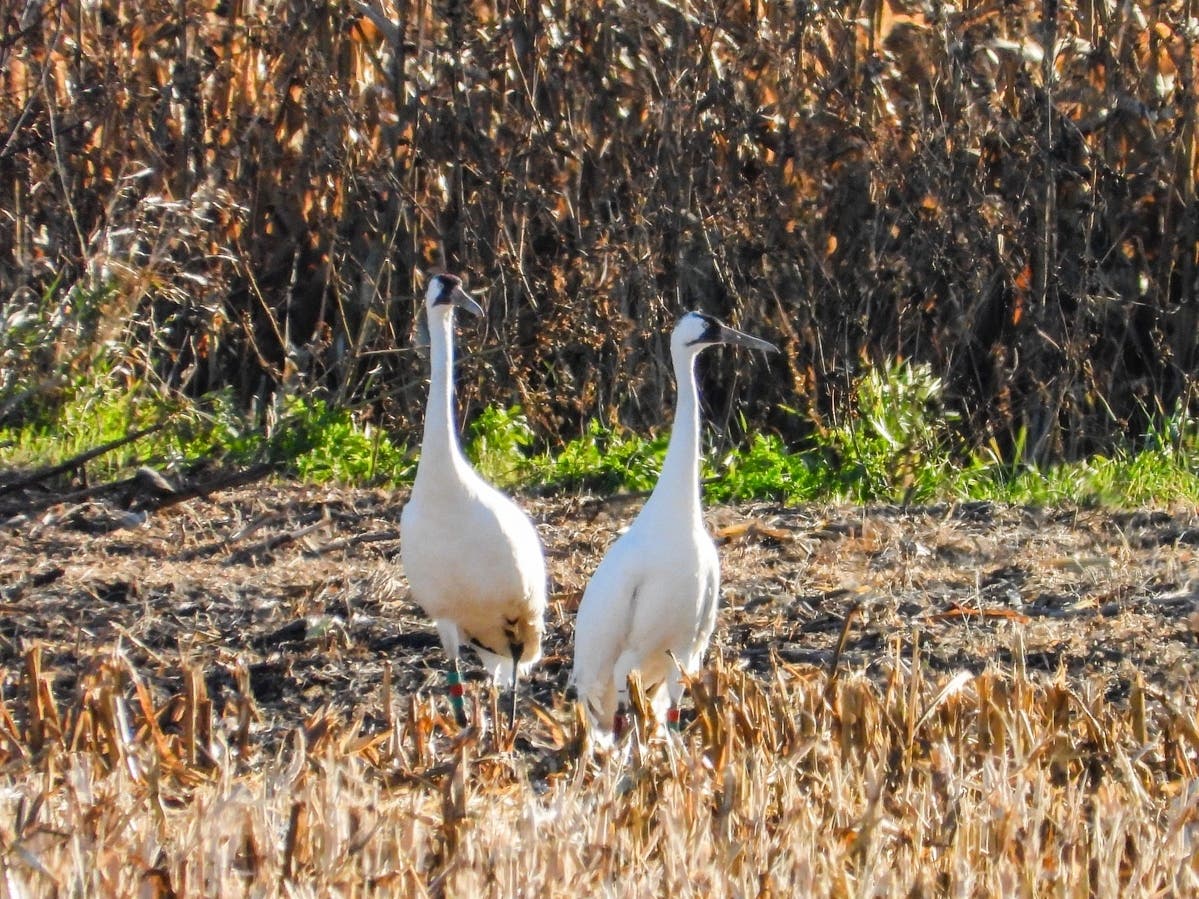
(100, 410)
(1150, 477)
(896, 444)
(957, 784)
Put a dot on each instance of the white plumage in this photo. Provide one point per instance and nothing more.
(472, 557)
(656, 591)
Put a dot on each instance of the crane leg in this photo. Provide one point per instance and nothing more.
(620, 721)
(628, 661)
(674, 689)
(453, 679)
(450, 639)
(518, 650)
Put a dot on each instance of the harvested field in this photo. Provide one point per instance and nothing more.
(198, 703)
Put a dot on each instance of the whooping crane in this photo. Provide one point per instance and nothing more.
(655, 592)
(472, 557)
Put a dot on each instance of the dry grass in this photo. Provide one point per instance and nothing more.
(214, 703)
(996, 784)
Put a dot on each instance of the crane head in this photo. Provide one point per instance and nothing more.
(697, 330)
(447, 290)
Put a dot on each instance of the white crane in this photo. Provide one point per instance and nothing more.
(472, 557)
(656, 590)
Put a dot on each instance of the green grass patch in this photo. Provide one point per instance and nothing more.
(604, 460)
(500, 446)
(310, 440)
(896, 444)
(108, 405)
(318, 443)
(1127, 479)
(766, 469)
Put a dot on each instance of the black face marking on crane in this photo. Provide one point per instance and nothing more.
(711, 332)
(448, 283)
(479, 644)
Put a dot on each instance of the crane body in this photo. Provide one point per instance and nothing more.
(472, 557)
(651, 604)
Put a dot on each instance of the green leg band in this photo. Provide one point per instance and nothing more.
(454, 679)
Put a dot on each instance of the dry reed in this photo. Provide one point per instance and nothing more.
(970, 785)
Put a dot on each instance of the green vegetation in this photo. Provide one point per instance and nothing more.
(602, 459)
(1163, 469)
(897, 442)
(318, 443)
(766, 469)
(898, 445)
(605, 459)
(107, 405)
(500, 444)
(309, 440)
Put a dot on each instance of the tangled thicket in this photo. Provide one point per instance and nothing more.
(246, 193)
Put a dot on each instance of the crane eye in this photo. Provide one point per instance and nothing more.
(448, 284)
(711, 331)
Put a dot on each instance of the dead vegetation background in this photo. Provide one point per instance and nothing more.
(246, 191)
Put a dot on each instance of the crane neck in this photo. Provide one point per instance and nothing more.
(439, 450)
(677, 490)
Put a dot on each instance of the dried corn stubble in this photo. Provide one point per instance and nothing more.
(897, 775)
(1095, 794)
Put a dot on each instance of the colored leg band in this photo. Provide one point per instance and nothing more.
(620, 724)
(454, 679)
(672, 719)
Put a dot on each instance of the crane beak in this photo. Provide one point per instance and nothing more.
(465, 302)
(739, 338)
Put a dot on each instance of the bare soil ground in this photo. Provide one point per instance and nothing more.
(297, 591)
